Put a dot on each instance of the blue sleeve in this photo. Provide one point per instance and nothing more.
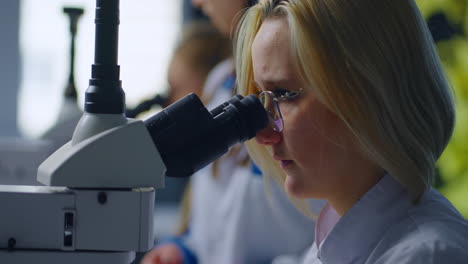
(255, 169)
(188, 255)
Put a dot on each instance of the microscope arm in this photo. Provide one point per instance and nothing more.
(123, 156)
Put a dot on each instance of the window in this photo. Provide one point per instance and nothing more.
(147, 34)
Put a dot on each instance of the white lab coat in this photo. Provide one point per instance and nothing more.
(386, 227)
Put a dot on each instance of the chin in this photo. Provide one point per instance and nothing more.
(296, 188)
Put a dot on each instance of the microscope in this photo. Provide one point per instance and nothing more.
(98, 200)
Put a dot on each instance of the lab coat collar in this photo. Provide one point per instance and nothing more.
(356, 234)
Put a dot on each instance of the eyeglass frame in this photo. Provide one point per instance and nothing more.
(276, 100)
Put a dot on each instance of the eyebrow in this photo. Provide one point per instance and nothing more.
(277, 84)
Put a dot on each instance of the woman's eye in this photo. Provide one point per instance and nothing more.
(279, 93)
(286, 95)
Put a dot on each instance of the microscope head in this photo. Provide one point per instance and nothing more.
(110, 151)
(121, 156)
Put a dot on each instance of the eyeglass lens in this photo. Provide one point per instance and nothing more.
(271, 106)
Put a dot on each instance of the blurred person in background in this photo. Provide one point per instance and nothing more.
(230, 217)
(199, 49)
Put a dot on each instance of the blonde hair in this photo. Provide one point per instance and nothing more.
(373, 63)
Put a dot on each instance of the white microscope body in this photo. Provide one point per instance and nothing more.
(97, 205)
(104, 215)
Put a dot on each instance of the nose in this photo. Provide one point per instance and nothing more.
(268, 136)
(197, 3)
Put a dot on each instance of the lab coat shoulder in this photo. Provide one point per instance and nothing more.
(433, 238)
(416, 250)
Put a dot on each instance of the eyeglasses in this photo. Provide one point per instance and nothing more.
(271, 103)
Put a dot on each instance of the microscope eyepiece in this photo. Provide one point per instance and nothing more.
(189, 137)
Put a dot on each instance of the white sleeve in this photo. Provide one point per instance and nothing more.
(285, 259)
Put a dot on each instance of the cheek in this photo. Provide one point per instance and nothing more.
(312, 132)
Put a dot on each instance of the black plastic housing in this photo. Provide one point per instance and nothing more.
(105, 94)
(189, 137)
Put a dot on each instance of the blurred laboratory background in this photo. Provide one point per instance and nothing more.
(448, 22)
(46, 53)
(46, 50)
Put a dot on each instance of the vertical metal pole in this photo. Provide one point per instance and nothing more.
(73, 14)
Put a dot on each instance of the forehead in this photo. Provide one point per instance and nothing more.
(271, 51)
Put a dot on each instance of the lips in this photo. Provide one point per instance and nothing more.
(285, 163)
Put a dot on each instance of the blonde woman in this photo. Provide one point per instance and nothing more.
(231, 220)
(360, 111)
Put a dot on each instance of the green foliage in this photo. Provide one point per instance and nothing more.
(453, 164)
(454, 9)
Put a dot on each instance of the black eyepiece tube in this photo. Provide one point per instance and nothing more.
(189, 137)
(107, 32)
(105, 94)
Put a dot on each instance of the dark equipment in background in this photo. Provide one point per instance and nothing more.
(70, 112)
(157, 100)
(73, 14)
